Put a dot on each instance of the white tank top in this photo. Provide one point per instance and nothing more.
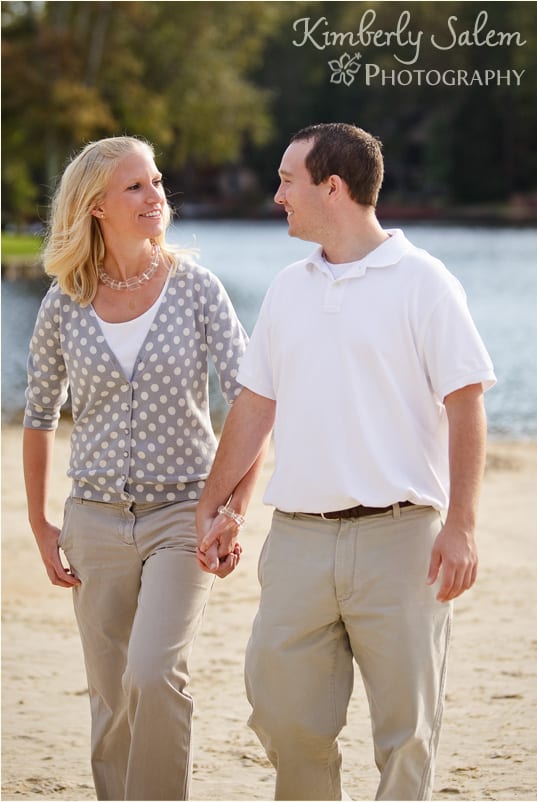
(126, 339)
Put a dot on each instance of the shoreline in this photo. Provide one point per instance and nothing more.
(16, 267)
(13, 420)
(487, 745)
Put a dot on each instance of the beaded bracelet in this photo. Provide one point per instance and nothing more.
(239, 519)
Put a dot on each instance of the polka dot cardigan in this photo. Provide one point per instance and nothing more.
(149, 439)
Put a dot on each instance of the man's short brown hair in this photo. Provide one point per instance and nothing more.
(349, 152)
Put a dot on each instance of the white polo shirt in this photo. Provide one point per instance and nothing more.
(359, 366)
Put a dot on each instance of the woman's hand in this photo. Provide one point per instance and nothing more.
(47, 541)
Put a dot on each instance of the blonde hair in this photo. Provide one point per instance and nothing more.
(74, 246)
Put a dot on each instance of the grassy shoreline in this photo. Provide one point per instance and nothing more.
(21, 256)
(23, 245)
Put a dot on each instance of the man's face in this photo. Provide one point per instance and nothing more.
(300, 197)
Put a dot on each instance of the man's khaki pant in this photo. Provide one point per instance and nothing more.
(138, 609)
(332, 591)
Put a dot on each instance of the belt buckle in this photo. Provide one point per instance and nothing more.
(341, 515)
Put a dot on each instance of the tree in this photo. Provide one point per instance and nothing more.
(215, 84)
(451, 144)
(175, 73)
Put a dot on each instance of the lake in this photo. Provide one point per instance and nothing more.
(496, 265)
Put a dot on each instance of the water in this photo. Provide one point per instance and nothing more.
(497, 267)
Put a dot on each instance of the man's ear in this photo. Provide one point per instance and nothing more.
(335, 185)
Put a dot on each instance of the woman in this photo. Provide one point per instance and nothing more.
(127, 326)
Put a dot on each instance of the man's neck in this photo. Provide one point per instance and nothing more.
(353, 239)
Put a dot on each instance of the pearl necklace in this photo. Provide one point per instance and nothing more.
(134, 282)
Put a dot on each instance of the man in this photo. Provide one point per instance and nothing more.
(367, 361)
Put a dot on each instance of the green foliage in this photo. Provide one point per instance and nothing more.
(456, 144)
(175, 73)
(17, 181)
(220, 85)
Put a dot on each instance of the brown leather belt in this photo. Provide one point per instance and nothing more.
(358, 512)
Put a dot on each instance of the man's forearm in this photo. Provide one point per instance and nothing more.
(455, 550)
(240, 453)
(242, 493)
(467, 451)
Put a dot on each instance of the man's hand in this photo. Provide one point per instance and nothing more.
(218, 550)
(47, 540)
(455, 552)
(237, 463)
(225, 564)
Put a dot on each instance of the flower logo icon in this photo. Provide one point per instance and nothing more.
(345, 68)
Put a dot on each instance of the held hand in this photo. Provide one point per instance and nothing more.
(225, 565)
(47, 541)
(217, 540)
(455, 552)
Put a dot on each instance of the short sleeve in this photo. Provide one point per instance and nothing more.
(47, 386)
(455, 354)
(257, 366)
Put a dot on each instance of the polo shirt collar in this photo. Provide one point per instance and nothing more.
(386, 254)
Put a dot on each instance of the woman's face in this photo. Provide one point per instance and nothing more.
(134, 204)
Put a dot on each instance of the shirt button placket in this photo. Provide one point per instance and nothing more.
(125, 427)
(333, 297)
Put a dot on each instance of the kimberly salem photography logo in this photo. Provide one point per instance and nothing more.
(406, 44)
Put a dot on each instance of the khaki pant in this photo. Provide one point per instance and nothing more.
(332, 591)
(138, 609)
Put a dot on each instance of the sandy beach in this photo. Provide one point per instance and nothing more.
(489, 738)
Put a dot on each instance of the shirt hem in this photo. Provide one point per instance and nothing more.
(170, 493)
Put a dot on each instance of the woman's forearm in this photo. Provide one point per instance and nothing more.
(37, 449)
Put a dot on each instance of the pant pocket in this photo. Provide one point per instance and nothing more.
(67, 508)
(261, 560)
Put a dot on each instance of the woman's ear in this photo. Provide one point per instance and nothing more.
(98, 212)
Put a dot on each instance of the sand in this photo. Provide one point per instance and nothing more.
(489, 739)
